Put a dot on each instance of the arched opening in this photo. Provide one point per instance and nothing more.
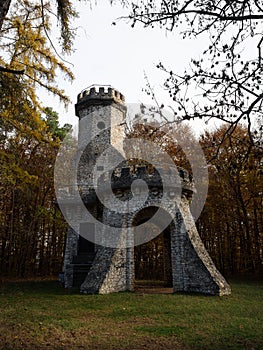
(152, 259)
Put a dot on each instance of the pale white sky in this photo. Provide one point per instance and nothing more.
(119, 55)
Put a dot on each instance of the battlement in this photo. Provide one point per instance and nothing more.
(123, 177)
(95, 93)
(147, 170)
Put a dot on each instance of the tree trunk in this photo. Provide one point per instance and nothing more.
(4, 8)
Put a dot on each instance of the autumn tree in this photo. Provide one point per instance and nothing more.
(32, 229)
(175, 141)
(65, 13)
(231, 222)
(226, 81)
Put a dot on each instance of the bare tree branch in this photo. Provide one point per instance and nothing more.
(226, 82)
(13, 71)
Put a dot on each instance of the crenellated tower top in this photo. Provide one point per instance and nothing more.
(99, 95)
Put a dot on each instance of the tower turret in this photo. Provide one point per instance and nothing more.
(101, 110)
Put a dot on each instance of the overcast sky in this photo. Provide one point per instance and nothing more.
(119, 55)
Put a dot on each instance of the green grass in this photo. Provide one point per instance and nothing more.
(42, 315)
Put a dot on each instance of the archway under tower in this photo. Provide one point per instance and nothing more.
(152, 259)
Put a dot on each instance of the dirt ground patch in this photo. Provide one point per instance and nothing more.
(153, 290)
(151, 287)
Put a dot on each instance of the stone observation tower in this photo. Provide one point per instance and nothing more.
(97, 267)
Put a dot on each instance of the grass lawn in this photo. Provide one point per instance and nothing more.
(42, 315)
